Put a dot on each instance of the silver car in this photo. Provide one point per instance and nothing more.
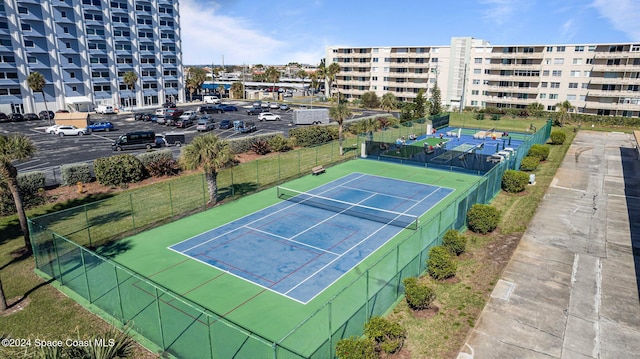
(205, 124)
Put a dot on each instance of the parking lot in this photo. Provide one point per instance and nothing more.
(54, 151)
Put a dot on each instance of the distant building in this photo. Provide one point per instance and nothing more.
(84, 47)
(600, 79)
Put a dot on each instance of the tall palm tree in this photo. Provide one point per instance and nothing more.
(273, 75)
(130, 78)
(221, 90)
(191, 85)
(535, 108)
(389, 102)
(237, 89)
(36, 83)
(16, 147)
(303, 75)
(199, 76)
(369, 126)
(339, 113)
(211, 154)
(330, 74)
(564, 111)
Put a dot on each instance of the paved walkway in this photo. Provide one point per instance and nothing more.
(571, 287)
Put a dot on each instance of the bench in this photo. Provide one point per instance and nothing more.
(317, 170)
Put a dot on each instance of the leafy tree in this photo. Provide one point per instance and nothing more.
(535, 108)
(221, 90)
(331, 73)
(436, 101)
(339, 113)
(303, 75)
(211, 154)
(36, 83)
(370, 100)
(237, 89)
(259, 77)
(564, 111)
(16, 147)
(191, 85)
(130, 78)
(199, 76)
(368, 126)
(273, 75)
(321, 73)
(406, 111)
(389, 102)
(315, 84)
(419, 109)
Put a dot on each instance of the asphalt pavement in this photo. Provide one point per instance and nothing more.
(571, 288)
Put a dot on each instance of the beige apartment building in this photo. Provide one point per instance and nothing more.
(599, 79)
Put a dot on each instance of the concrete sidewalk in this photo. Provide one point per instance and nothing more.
(571, 287)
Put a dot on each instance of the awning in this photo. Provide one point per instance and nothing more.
(78, 99)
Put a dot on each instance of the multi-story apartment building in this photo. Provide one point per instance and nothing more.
(83, 48)
(600, 79)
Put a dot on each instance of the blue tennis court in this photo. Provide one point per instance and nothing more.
(300, 246)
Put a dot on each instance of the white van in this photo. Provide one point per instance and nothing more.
(211, 99)
(105, 109)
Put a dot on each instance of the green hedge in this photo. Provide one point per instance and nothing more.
(388, 335)
(314, 135)
(540, 151)
(356, 348)
(31, 187)
(418, 295)
(74, 173)
(118, 170)
(153, 156)
(455, 242)
(529, 163)
(441, 264)
(483, 218)
(242, 145)
(557, 137)
(514, 181)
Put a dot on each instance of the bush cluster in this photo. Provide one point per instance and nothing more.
(557, 137)
(74, 173)
(356, 348)
(441, 264)
(418, 295)
(495, 117)
(31, 187)
(455, 242)
(314, 135)
(242, 145)
(280, 144)
(540, 151)
(118, 170)
(482, 218)
(514, 181)
(529, 163)
(388, 335)
(159, 163)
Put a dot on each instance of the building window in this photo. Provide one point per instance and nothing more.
(476, 82)
(25, 27)
(63, 14)
(72, 75)
(558, 61)
(553, 96)
(577, 61)
(549, 48)
(573, 85)
(65, 29)
(545, 73)
(556, 73)
(477, 60)
(579, 48)
(560, 48)
(543, 84)
(32, 60)
(571, 97)
(543, 96)
(434, 59)
(555, 85)
(575, 73)
(477, 71)
(28, 43)
(23, 10)
(70, 60)
(74, 89)
(587, 73)
(474, 103)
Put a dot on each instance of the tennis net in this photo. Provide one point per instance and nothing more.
(352, 209)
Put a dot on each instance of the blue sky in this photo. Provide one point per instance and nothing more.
(282, 31)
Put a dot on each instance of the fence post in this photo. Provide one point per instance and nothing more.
(204, 192)
(115, 270)
(331, 353)
(279, 168)
(170, 199)
(160, 319)
(86, 218)
(299, 169)
(133, 216)
(86, 276)
(258, 172)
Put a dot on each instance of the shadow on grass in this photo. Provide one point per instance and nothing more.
(95, 197)
(27, 293)
(18, 255)
(237, 189)
(113, 249)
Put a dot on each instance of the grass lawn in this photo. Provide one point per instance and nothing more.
(46, 313)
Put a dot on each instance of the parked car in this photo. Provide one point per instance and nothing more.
(101, 126)
(31, 116)
(274, 105)
(184, 122)
(139, 116)
(68, 130)
(284, 107)
(169, 105)
(268, 116)
(226, 107)
(226, 124)
(174, 112)
(16, 117)
(169, 120)
(43, 115)
(153, 117)
(51, 129)
(205, 124)
(191, 115)
(265, 105)
(210, 109)
(3, 117)
(254, 111)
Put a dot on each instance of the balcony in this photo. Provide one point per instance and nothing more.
(612, 55)
(526, 67)
(517, 55)
(611, 94)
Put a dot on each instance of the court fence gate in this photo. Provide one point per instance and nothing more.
(66, 249)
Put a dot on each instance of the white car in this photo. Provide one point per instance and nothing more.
(51, 129)
(268, 116)
(67, 130)
(274, 106)
(189, 115)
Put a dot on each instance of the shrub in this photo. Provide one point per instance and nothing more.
(454, 241)
(479, 116)
(557, 137)
(514, 181)
(314, 135)
(280, 144)
(31, 187)
(260, 147)
(482, 218)
(356, 348)
(148, 157)
(74, 173)
(529, 163)
(441, 264)
(242, 145)
(387, 334)
(418, 295)
(118, 170)
(495, 117)
(540, 151)
(163, 167)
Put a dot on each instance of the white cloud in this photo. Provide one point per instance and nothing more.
(623, 15)
(498, 11)
(567, 30)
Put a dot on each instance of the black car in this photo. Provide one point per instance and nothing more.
(255, 111)
(226, 124)
(184, 123)
(3, 117)
(169, 105)
(208, 109)
(139, 116)
(43, 115)
(16, 117)
(31, 116)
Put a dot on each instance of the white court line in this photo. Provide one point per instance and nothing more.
(290, 240)
(386, 195)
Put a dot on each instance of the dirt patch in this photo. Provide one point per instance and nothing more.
(15, 305)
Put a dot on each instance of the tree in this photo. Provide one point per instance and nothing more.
(419, 109)
(273, 75)
(321, 73)
(199, 76)
(221, 90)
(37, 82)
(303, 75)
(212, 155)
(339, 113)
(16, 147)
(3, 300)
(130, 78)
(436, 100)
(314, 82)
(330, 74)
(191, 85)
(535, 108)
(564, 111)
(389, 102)
(237, 89)
(368, 126)
(370, 100)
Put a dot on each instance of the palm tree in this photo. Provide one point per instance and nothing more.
(564, 111)
(199, 76)
(237, 89)
(16, 147)
(191, 85)
(331, 73)
(221, 90)
(535, 108)
(303, 75)
(368, 126)
(272, 75)
(212, 154)
(389, 102)
(130, 78)
(339, 113)
(37, 82)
